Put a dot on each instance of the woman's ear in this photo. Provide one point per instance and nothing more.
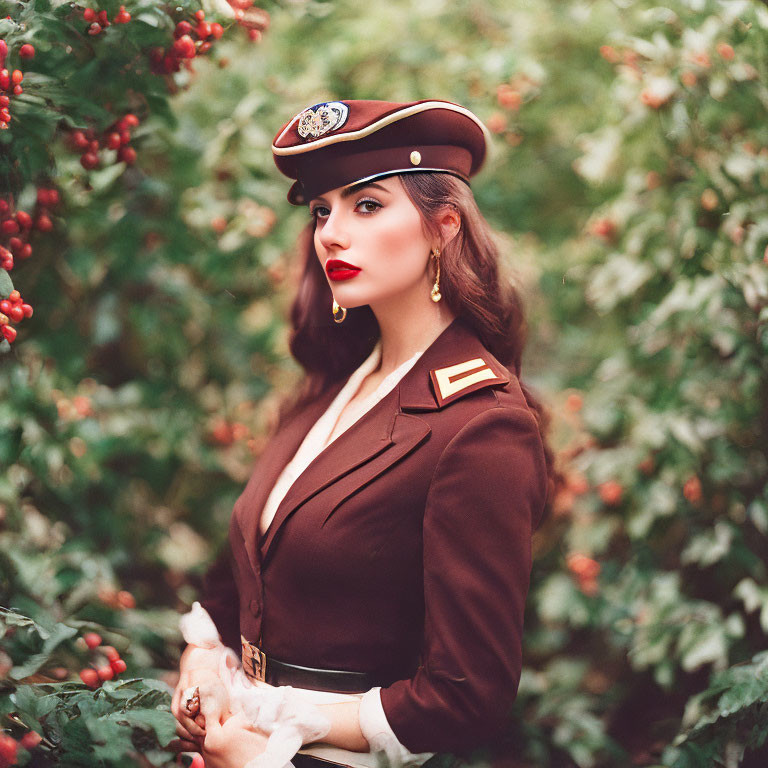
(449, 223)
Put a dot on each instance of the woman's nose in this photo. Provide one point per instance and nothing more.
(334, 233)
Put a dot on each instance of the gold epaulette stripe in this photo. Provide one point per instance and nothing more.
(455, 378)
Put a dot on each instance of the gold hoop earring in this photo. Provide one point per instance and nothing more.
(435, 294)
(335, 310)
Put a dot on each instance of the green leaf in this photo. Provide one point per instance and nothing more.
(6, 284)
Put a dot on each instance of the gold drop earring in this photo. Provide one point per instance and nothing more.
(336, 317)
(435, 294)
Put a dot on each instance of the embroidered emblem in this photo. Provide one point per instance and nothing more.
(453, 379)
(322, 118)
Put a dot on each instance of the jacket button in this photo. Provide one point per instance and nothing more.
(255, 607)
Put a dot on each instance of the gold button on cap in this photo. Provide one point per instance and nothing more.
(415, 157)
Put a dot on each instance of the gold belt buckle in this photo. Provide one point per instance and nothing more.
(254, 660)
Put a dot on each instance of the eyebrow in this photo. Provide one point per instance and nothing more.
(354, 188)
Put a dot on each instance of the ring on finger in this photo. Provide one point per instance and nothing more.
(191, 699)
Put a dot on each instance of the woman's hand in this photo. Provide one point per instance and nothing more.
(214, 705)
(231, 744)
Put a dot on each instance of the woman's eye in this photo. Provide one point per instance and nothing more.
(368, 206)
(319, 212)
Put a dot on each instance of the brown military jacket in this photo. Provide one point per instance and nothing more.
(404, 548)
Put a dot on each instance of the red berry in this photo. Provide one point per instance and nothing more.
(127, 155)
(103, 18)
(4, 100)
(27, 51)
(17, 90)
(3, 51)
(254, 35)
(79, 140)
(90, 677)
(89, 160)
(30, 739)
(9, 333)
(113, 140)
(44, 223)
(182, 28)
(125, 599)
(92, 639)
(118, 665)
(125, 136)
(6, 261)
(16, 314)
(17, 76)
(93, 145)
(204, 47)
(4, 319)
(94, 29)
(5, 306)
(9, 749)
(5, 115)
(9, 227)
(106, 672)
(199, 15)
(130, 120)
(184, 47)
(27, 309)
(217, 30)
(42, 196)
(26, 251)
(89, 14)
(14, 296)
(24, 219)
(5, 79)
(203, 30)
(4, 206)
(53, 197)
(110, 652)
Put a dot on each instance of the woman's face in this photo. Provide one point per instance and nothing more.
(375, 229)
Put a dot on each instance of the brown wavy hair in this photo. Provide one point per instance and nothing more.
(471, 284)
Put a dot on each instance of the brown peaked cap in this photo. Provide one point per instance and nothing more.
(337, 143)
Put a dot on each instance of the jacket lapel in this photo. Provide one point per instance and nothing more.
(280, 451)
(372, 444)
(447, 370)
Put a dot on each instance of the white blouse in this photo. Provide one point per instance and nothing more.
(373, 721)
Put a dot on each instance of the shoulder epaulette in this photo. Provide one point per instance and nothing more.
(454, 381)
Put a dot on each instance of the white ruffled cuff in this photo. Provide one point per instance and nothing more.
(280, 711)
(379, 734)
(198, 629)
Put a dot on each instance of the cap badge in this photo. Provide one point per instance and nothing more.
(322, 118)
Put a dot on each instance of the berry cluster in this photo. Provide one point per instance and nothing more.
(12, 309)
(585, 570)
(10, 81)
(116, 137)
(108, 662)
(191, 38)
(17, 226)
(99, 20)
(9, 747)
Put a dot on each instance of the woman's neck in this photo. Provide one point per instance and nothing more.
(408, 328)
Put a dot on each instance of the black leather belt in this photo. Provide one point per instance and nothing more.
(258, 666)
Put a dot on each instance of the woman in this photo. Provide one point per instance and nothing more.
(381, 551)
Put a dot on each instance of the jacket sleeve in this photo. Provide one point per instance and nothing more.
(488, 487)
(220, 598)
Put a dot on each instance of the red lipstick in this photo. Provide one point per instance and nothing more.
(336, 269)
